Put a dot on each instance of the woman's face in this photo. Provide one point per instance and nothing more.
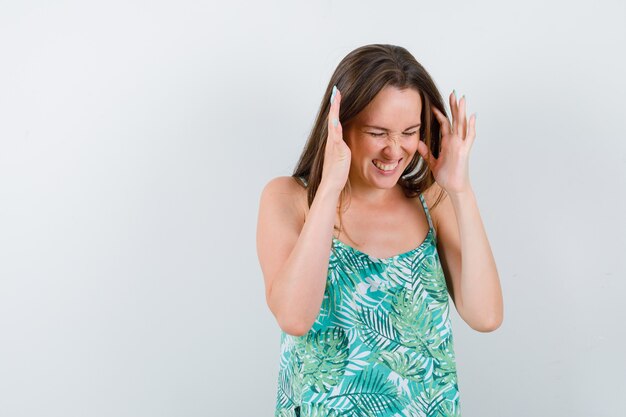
(383, 137)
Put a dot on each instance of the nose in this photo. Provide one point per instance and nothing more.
(393, 150)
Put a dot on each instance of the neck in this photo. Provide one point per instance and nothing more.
(375, 197)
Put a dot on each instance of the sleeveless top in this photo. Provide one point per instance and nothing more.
(382, 343)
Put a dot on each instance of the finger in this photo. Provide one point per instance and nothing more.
(426, 154)
(334, 125)
(471, 134)
(443, 121)
(462, 118)
(454, 108)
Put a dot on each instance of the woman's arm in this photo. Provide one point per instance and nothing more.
(463, 247)
(467, 261)
(294, 253)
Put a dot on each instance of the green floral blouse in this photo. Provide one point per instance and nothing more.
(382, 343)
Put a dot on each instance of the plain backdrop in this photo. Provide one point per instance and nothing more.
(136, 137)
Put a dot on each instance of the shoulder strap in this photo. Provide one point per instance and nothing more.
(430, 222)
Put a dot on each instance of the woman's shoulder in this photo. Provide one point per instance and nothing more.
(285, 185)
(289, 190)
(434, 201)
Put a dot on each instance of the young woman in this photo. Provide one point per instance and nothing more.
(362, 245)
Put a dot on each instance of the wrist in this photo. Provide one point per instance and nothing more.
(329, 190)
(460, 190)
(459, 196)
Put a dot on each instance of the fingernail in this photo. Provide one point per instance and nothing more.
(454, 91)
(335, 121)
(332, 96)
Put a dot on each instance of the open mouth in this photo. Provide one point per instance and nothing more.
(386, 167)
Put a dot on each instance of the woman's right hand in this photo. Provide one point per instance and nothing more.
(337, 155)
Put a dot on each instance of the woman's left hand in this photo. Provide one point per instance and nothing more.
(451, 168)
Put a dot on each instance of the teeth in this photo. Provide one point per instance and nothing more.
(386, 167)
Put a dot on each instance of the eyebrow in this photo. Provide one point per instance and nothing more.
(382, 128)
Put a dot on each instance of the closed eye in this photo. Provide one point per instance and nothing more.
(377, 135)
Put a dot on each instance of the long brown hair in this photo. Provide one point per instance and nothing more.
(360, 76)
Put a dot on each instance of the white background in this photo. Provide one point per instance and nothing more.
(136, 136)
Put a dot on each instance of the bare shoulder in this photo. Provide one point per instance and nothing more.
(282, 185)
(286, 192)
(440, 209)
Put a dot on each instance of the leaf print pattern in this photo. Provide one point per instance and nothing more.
(382, 343)
(370, 393)
(325, 358)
